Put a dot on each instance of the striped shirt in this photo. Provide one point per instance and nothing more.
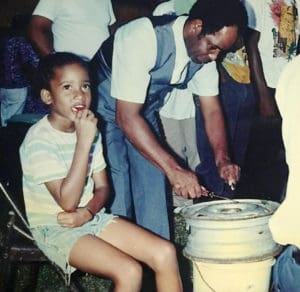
(46, 155)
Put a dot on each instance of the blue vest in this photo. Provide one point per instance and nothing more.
(161, 73)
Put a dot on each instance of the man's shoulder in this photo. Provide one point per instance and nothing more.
(135, 34)
(142, 30)
(140, 24)
(147, 23)
(46, 8)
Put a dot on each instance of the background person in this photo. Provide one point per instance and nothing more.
(284, 223)
(272, 40)
(79, 28)
(18, 61)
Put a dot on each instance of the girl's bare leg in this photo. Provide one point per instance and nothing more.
(157, 253)
(95, 256)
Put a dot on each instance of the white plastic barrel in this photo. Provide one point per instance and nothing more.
(230, 245)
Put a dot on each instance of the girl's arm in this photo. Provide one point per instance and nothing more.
(85, 214)
(101, 192)
(68, 191)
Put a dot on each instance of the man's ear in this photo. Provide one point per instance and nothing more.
(193, 27)
(46, 96)
(196, 26)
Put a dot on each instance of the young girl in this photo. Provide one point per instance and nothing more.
(65, 188)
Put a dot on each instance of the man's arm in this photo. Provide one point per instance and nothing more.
(215, 129)
(267, 103)
(128, 117)
(40, 35)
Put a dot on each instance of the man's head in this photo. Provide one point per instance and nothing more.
(213, 26)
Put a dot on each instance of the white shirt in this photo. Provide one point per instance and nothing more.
(285, 223)
(130, 75)
(179, 104)
(262, 17)
(78, 26)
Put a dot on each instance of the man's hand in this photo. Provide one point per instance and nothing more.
(74, 219)
(230, 173)
(185, 183)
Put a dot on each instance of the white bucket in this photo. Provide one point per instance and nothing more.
(230, 245)
(241, 277)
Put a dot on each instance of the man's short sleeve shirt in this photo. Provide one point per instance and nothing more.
(179, 104)
(78, 26)
(134, 56)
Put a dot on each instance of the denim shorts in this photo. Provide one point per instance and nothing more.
(56, 241)
(286, 272)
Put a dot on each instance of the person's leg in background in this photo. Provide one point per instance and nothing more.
(286, 271)
(188, 129)
(12, 102)
(180, 136)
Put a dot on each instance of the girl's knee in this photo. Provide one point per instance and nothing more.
(130, 279)
(166, 254)
(135, 271)
(132, 273)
